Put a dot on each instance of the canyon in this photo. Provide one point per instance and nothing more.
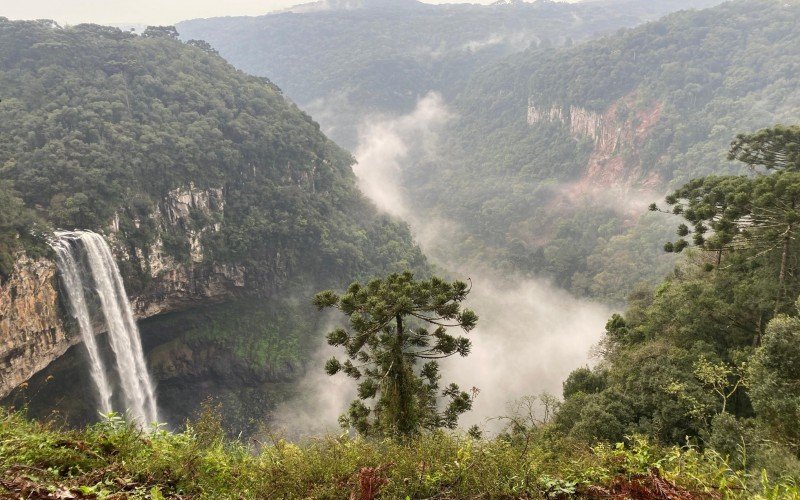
(617, 134)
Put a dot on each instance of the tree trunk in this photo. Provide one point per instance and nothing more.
(402, 419)
(757, 338)
(787, 238)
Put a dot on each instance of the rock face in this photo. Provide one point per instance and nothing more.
(617, 133)
(34, 329)
(174, 284)
(200, 360)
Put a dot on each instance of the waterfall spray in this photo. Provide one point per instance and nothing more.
(87, 267)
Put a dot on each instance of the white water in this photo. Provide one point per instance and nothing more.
(88, 267)
(73, 285)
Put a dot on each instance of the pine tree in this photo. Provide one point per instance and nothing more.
(395, 322)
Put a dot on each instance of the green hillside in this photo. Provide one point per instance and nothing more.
(346, 63)
(99, 128)
(556, 153)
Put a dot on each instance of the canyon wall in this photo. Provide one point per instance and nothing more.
(34, 326)
(617, 133)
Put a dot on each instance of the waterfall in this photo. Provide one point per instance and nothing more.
(73, 286)
(88, 271)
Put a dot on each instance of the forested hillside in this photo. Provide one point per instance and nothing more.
(345, 60)
(711, 353)
(193, 170)
(556, 153)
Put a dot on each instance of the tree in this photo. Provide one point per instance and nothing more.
(388, 333)
(774, 379)
(775, 148)
(759, 215)
(17, 225)
(203, 45)
(160, 32)
(718, 208)
(729, 206)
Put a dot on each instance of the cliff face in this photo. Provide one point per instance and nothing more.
(617, 133)
(174, 284)
(34, 328)
(32, 331)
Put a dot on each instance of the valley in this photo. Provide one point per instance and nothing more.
(557, 242)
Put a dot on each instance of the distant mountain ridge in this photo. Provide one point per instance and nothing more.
(348, 58)
(334, 5)
(556, 154)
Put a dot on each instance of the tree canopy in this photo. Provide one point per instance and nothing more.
(390, 322)
(708, 354)
(98, 124)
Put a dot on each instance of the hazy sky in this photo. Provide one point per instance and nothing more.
(147, 11)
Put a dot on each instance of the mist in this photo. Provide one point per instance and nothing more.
(384, 147)
(530, 334)
(319, 401)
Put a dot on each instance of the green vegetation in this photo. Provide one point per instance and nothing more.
(697, 392)
(524, 193)
(710, 355)
(262, 335)
(389, 321)
(102, 128)
(113, 458)
(352, 63)
(96, 122)
(19, 229)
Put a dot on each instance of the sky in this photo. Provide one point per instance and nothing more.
(151, 12)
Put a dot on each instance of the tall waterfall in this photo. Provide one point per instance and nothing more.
(90, 274)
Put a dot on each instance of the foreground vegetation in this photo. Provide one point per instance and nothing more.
(114, 459)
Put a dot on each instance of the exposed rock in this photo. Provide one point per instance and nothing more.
(198, 360)
(178, 285)
(181, 286)
(179, 203)
(618, 133)
(32, 332)
(32, 329)
(536, 115)
(177, 210)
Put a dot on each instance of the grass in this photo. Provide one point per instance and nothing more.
(114, 459)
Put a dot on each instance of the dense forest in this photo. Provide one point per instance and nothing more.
(711, 352)
(98, 127)
(344, 63)
(546, 197)
(98, 122)
(659, 166)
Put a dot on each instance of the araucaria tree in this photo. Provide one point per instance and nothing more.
(751, 219)
(394, 323)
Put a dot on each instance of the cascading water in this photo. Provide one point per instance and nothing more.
(88, 270)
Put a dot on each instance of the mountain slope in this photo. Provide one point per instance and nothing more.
(555, 154)
(209, 184)
(369, 58)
